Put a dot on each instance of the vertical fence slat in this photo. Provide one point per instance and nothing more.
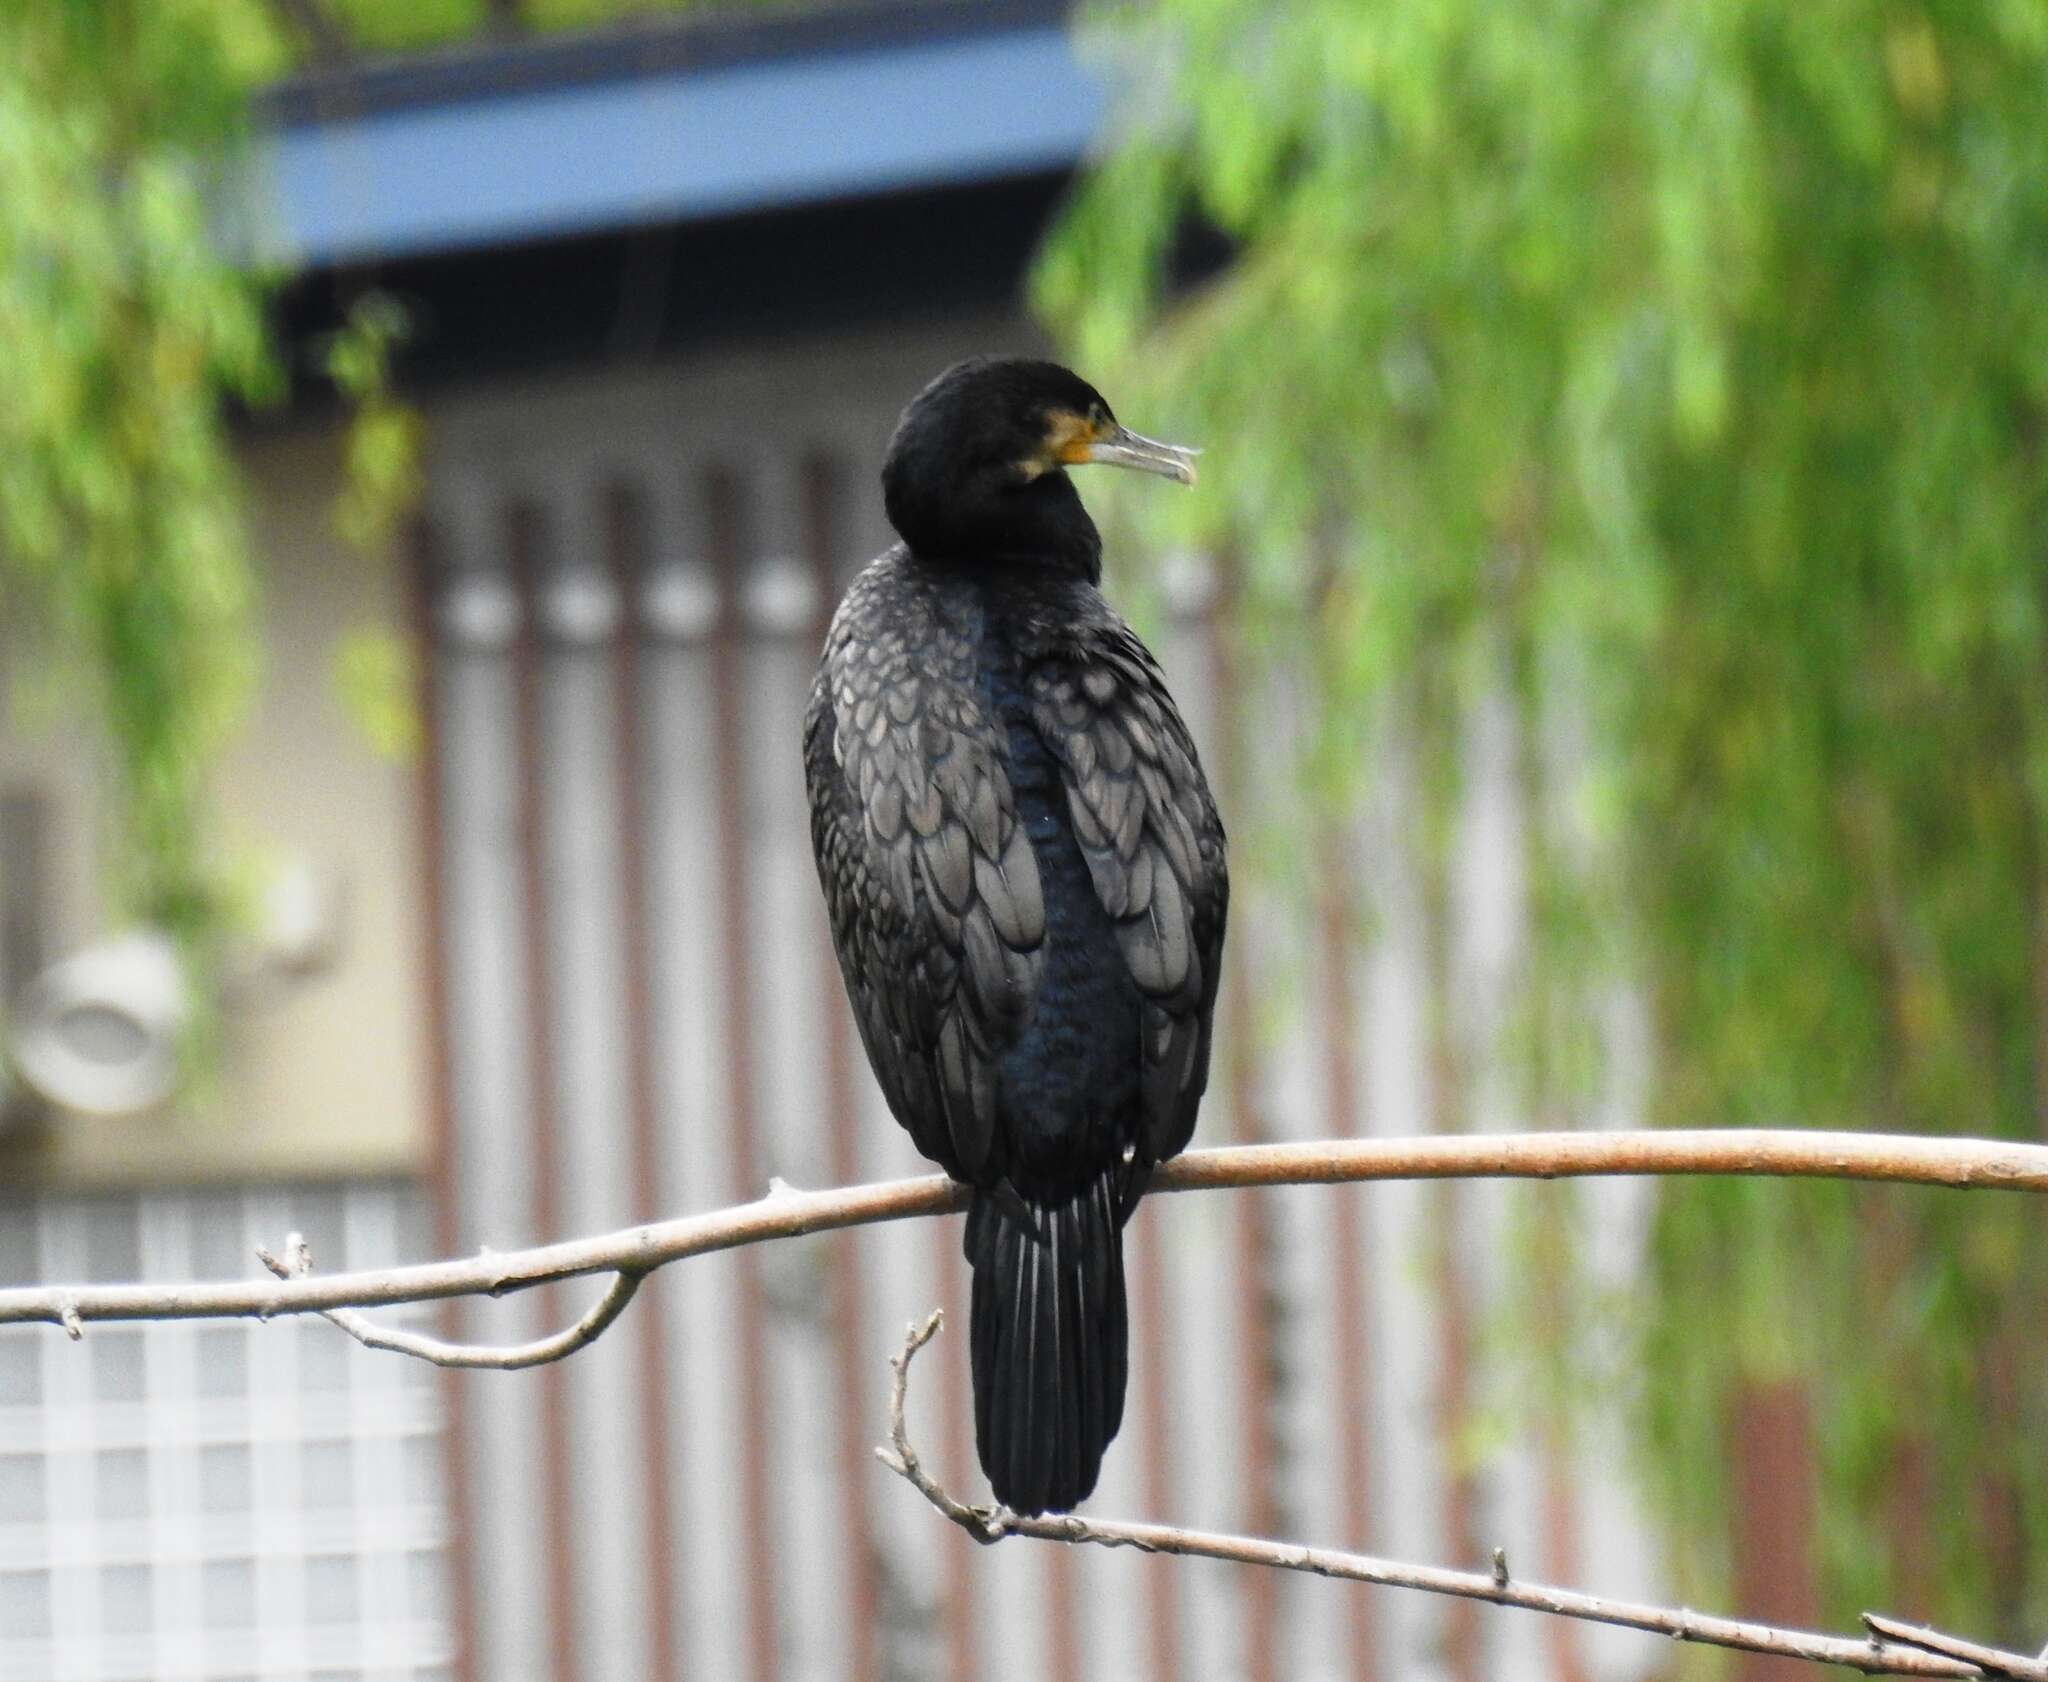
(1344, 1117)
(1064, 1639)
(724, 535)
(961, 1622)
(426, 561)
(1775, 1499)
(822, 490)
(1239, 1051)
(627, 546)
(524, 534)
(693, 1302)
(1156, 1450)
(1451, 1398)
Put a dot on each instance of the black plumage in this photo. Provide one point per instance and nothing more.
(1025, 878)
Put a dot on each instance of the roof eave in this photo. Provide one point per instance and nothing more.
(648, 127)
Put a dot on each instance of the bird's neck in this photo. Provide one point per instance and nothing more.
(1040, 528)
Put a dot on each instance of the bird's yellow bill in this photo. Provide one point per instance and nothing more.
(1125, 448)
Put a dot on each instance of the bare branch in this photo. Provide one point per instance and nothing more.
(785, 1213)
(1919, 1653)
(631, 1254)
(637, 1250)
(510, 1357)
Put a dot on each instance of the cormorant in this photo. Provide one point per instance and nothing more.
(1024, 872)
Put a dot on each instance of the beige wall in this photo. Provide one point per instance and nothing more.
(324, 1074)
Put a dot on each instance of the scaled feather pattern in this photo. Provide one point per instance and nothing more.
(1025, 880)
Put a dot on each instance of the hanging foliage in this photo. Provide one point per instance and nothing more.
(134, 330)
(120, 506)
(1678, 371)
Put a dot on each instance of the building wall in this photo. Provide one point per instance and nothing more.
(329, 1072)
(323, 1074)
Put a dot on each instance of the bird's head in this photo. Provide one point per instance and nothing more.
(976, 470)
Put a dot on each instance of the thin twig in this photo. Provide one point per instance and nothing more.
(1993, 1660)
(1909, 1158)
(984, 1524)
(1916, 1656)
(507, 1357)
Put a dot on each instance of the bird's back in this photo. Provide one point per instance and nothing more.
(1024, 874)
(1060, 1026)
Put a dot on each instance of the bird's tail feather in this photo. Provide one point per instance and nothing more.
(1050, 1340)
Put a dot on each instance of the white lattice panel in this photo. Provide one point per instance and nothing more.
(228, 1502)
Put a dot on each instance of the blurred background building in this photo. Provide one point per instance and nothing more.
(566, 970)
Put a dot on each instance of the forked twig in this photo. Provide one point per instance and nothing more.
(297, 1263)
(1891, 1649)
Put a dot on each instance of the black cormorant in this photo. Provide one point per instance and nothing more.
(1025, 877)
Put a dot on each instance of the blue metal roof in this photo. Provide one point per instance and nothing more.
(507, 148)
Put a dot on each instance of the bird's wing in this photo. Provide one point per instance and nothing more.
(934, 896)
(1141, 810)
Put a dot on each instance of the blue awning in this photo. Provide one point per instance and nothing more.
(499, 158)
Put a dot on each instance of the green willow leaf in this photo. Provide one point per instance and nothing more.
(1700, 352)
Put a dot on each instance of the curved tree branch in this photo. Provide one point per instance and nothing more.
(786, 1213)
(509, 1357)
(631, 1254)
(1919, 1652)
